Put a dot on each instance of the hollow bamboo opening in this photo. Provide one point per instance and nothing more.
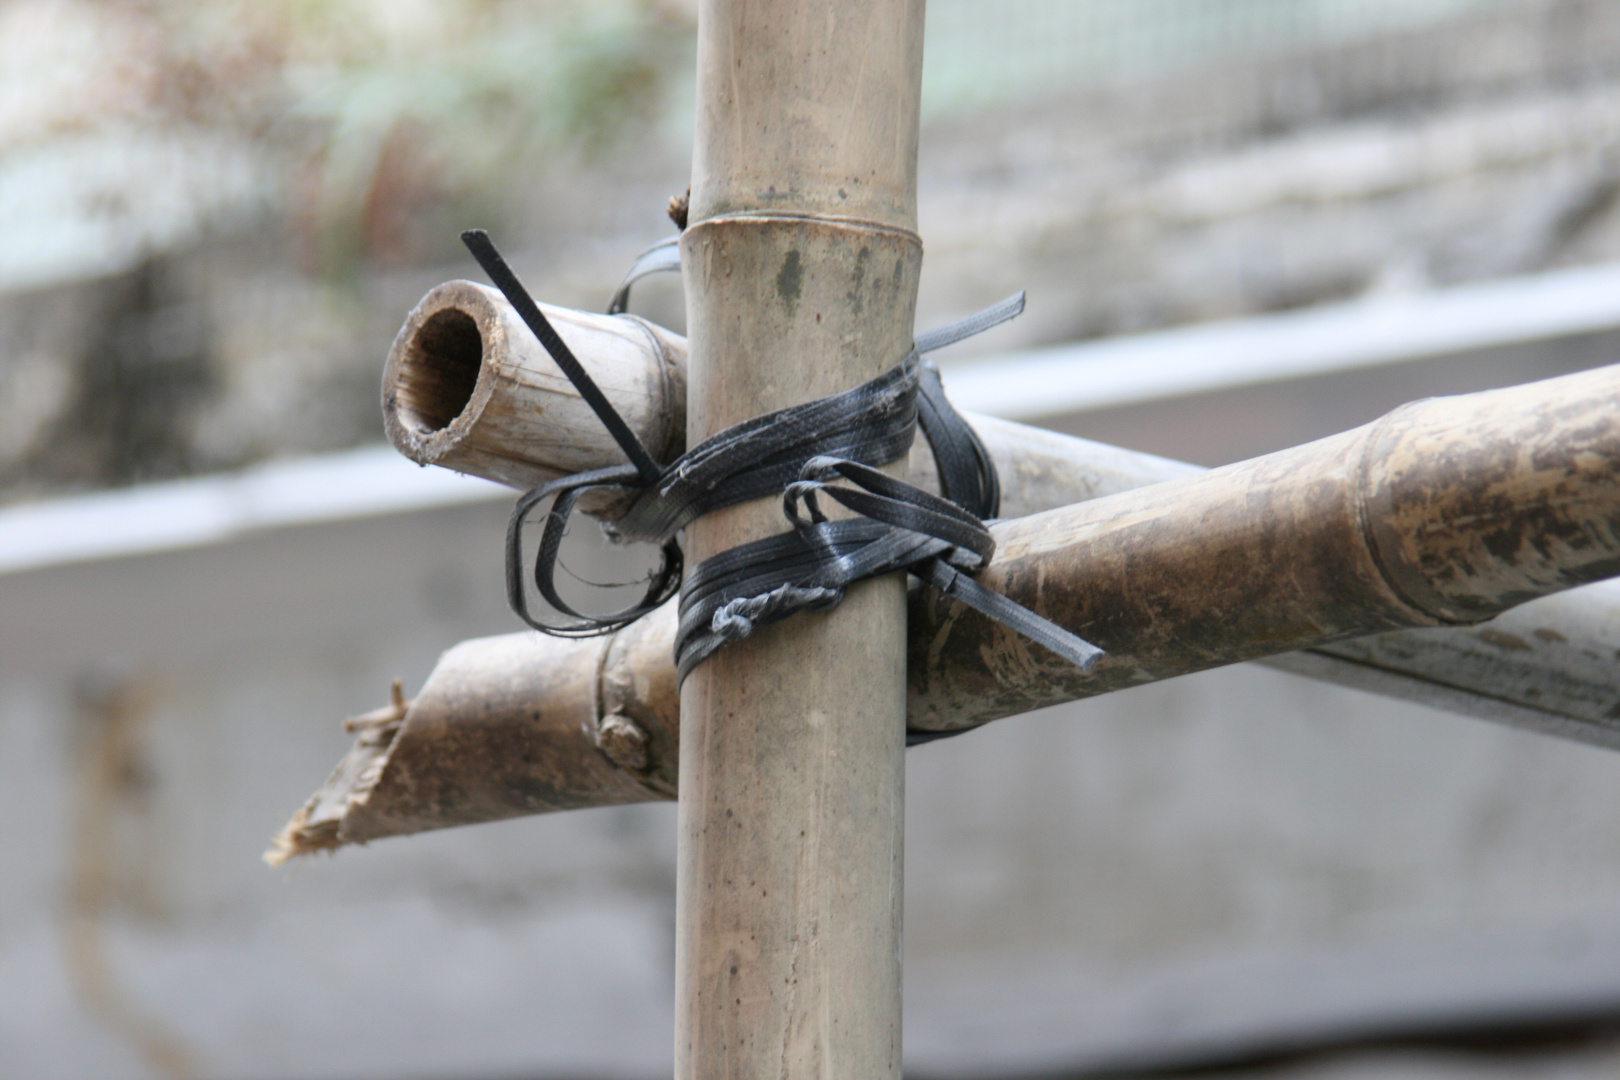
(438, 371)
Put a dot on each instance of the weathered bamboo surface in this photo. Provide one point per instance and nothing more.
(801, 263)
(1444, 512)
(506, 727)
(1546, 665)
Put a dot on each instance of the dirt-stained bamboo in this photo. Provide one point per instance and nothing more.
(1531, 465)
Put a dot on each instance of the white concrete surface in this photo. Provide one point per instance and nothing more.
(1372, 332)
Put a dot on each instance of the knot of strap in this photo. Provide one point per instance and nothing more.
(832, 448)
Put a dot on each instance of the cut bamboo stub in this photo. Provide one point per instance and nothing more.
(468, 387)
(1542, 666)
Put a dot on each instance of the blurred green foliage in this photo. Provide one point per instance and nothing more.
(368, 116)
(456, 115)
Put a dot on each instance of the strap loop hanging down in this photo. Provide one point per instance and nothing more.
(828, 448)
(662, 257)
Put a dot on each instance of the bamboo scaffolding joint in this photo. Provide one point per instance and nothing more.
(1551, 445)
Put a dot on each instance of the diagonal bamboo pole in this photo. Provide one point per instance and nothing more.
(607, 708)
(1445, 512)
(474, 737)
(801, 265)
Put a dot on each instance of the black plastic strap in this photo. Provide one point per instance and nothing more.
(967, 476)
(873, 423)
(732, 594)
(662, 257)
(977, 323)
(565, 493)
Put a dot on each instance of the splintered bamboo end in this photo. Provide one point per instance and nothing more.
(318, 824)
(300, 836)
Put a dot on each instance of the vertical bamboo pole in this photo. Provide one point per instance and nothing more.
(801, 276)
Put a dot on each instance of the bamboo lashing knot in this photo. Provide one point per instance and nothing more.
(829, 447)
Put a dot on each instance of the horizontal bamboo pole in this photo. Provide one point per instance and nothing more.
(1543, 666)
